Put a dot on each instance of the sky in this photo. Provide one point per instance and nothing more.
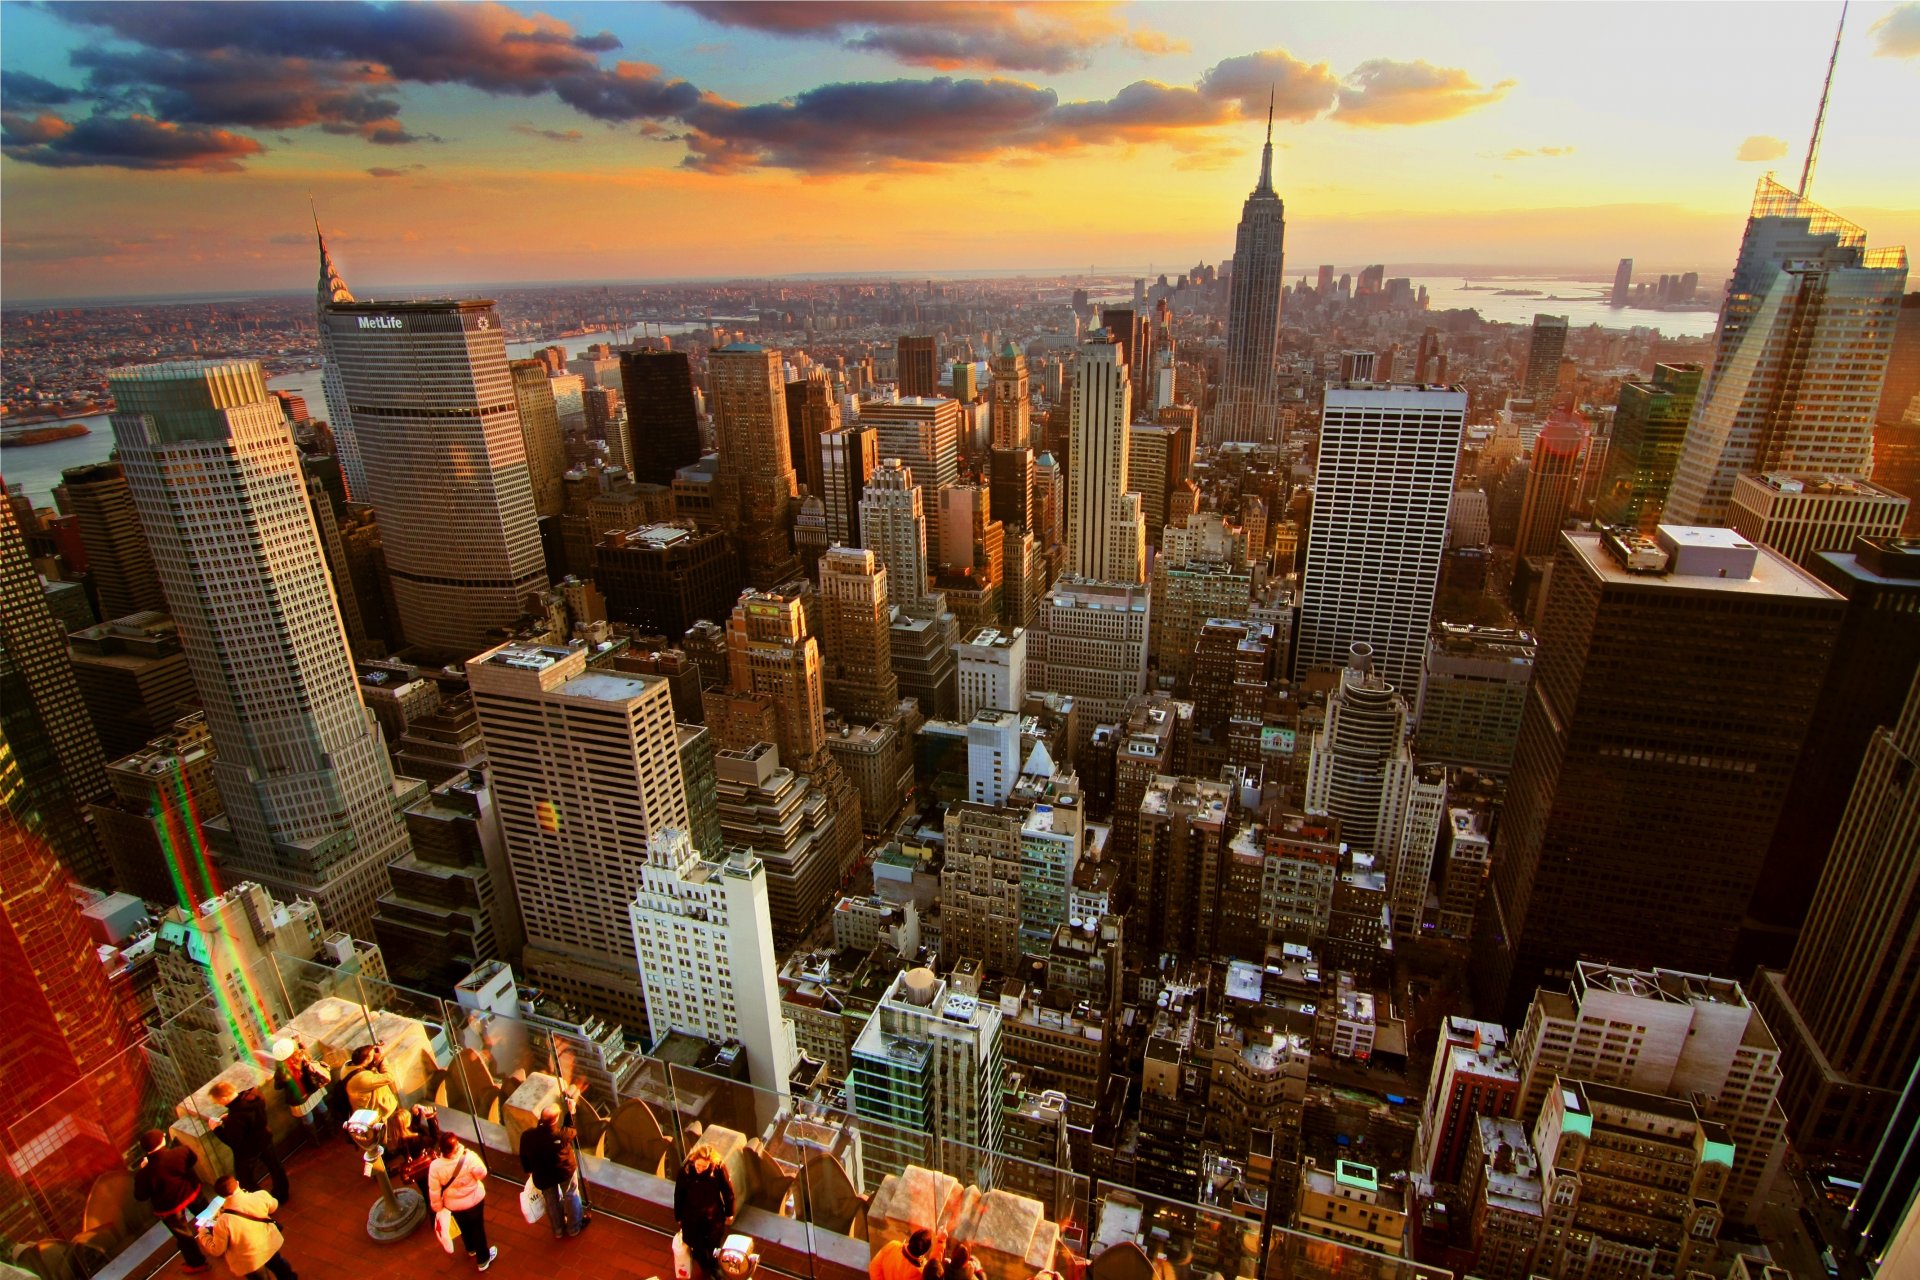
(158, 148)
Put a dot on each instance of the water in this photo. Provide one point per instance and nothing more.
(37, 467)
(1583, 302)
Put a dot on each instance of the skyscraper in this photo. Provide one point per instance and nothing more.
(540, 433)
(855, 635)
(118, 560)
(1246, 409)
(919, 366)
(1874, 661)
(1012, 400)
(1847, 1009)
(754, 485)
(1669, 1033)
(1622, 283)
(56, 750)
(1100, 545)
(431, 405)
(847, 457)
(1362, 772)
(1544, 351)
(923, 432)
(663, 420)
(70, 1090)
(811, 413)
(1801, 515)
(1805, 334)
(1649, 428)
(1090, 643)
(311, 809)
(702, 931)
(893, 525)
(1552, 481)
(1385, 479)
(1675, 684)
(586, 771)
(928, 1062)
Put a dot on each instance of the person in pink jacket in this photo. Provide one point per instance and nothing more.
(457, 1182)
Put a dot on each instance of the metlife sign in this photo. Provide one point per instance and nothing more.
(381, 322)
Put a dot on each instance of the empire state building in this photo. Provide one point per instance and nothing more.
(1247, 409)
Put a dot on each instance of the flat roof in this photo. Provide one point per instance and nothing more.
(1772, 574)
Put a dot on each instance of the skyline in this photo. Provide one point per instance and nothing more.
(685, 142)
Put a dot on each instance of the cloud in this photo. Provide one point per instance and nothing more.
(20, 90)
(551, 135)
(1898, 34)
(381, 171)
(243, 89)
(1524, 153)
(948, 35)
(1761, 147)
(1382, 92)
(126, 142)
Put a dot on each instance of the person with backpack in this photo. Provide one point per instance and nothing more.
(245, 1233)
(457, 1183)
(165, 1179)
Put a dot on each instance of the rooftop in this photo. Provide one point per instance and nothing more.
(1772, 575)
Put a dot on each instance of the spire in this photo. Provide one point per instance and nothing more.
(332, 287)
(1820, 116)
(1266, 154)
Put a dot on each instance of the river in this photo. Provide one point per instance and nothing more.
(1583, 302)
(37, 467)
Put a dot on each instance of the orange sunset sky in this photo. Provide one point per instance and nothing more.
(162, 148)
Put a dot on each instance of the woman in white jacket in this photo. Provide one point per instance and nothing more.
(457, 1182)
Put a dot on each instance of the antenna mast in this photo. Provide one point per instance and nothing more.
(1820, 117)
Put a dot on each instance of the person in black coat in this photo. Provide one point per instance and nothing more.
(547, 1154)
(245, 1130)
(165, 1179)
(703, 1205)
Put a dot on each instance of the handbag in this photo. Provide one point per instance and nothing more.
(445, 1229)
(533, 1205)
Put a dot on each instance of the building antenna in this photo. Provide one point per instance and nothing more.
(1820, 117)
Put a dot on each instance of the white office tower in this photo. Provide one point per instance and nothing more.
(1100, 545)
(1090, 643)
(1679, 1035)
(586, 770)
(1805, 334)
(1165, 380)
(928, 1062)
(993, 670)
(993, 756)
(1380, 499)
(893, 525)
(429, 396)
(703, 934)
(1362, 772)
(311, 810)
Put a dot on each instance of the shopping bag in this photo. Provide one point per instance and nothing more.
(682, 1259)
(445, 1229)
(533, 1205)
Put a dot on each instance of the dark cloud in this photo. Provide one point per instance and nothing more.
(245, 90)
(551, 135)
(126, 142)
(20, 90)
(874, 126)
(1383, 92)
(947, 34)
(405, 170)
